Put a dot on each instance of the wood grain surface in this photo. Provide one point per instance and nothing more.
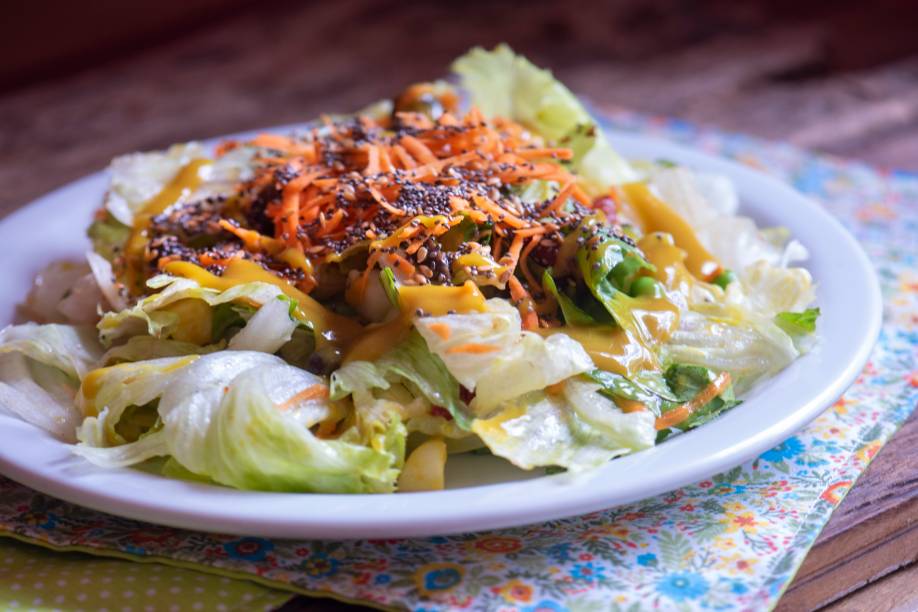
(839, 77)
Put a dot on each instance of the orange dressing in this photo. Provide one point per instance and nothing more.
(433, 300)
(654, 215)
(92, 382)
(330, 328)
(181, 186)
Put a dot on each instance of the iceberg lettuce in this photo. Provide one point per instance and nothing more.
(410, 364)
(507, 362)
(577, 429)
(41, 367)
(503, 84)
(242, 419)
(183, 310)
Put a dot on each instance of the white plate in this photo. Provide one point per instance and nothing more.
(485, 492)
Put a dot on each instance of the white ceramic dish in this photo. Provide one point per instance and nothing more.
(484, 492)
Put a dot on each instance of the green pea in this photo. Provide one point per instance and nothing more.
(645, 286)
(725, 278)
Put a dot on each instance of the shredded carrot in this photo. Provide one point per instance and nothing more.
(524, 261)
(561, 198)
(290, 212)
(378, 189)
(578, 194)
(526, 305)
(418, 150)
(317, 391)
(473, 348)
(404, 157)
(372, 160)
(628, 405)
(401, 264)
(513, 253)
(502, 214)
(681, 413)
(441, 329)
(382, 202)
(532, 231)
(537, 153)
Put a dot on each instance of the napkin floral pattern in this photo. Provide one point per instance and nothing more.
(732, 542)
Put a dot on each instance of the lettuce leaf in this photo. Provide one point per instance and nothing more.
(108, 236)
(728, 338)
(234, 417)
(508, 362)
(798, 323)
(503, 84)
(411, 364)
(578, 429)
(270, 328)
(648, 387)
(137, 177)
(142, 348)
(572, 313)
(171, 313)
(41, 367)
(687, 381)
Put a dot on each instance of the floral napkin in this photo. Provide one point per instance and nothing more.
(731, 542)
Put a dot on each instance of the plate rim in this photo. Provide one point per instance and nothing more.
(440, 513)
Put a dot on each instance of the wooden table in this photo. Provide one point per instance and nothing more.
(840, 77)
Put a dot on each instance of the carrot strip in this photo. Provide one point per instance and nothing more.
(372, 161)
(473, 348)
(560, 199)
(578, 194)
(539, 153)
(333, 223)
(290, 209)
(382, 202)
(402, 155)
(441, 329)
(503, 215)
(680, 414)
(524, 261)
(524, 304)
(317, 391)
(531, 231)
(513, 253)
(418, 150)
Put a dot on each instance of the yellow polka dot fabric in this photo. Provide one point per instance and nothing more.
(32, 578)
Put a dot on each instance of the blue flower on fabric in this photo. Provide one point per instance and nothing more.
(441, 579)
(382, 579)
(788, 449)
(647, 560)
(738, 588)
(249, 549)
(682, 586)
(546, 605)
(560, 553)
(42, 520)
(587, 572)
(320, 565)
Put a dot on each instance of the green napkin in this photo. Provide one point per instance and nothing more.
(34, 578)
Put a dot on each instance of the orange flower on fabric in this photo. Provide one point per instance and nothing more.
(516, 591)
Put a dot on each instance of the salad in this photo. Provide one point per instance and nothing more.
(468, 267)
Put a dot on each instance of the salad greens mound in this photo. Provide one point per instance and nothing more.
(463, 268)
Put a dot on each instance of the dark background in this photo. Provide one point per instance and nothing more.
(81, 82)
